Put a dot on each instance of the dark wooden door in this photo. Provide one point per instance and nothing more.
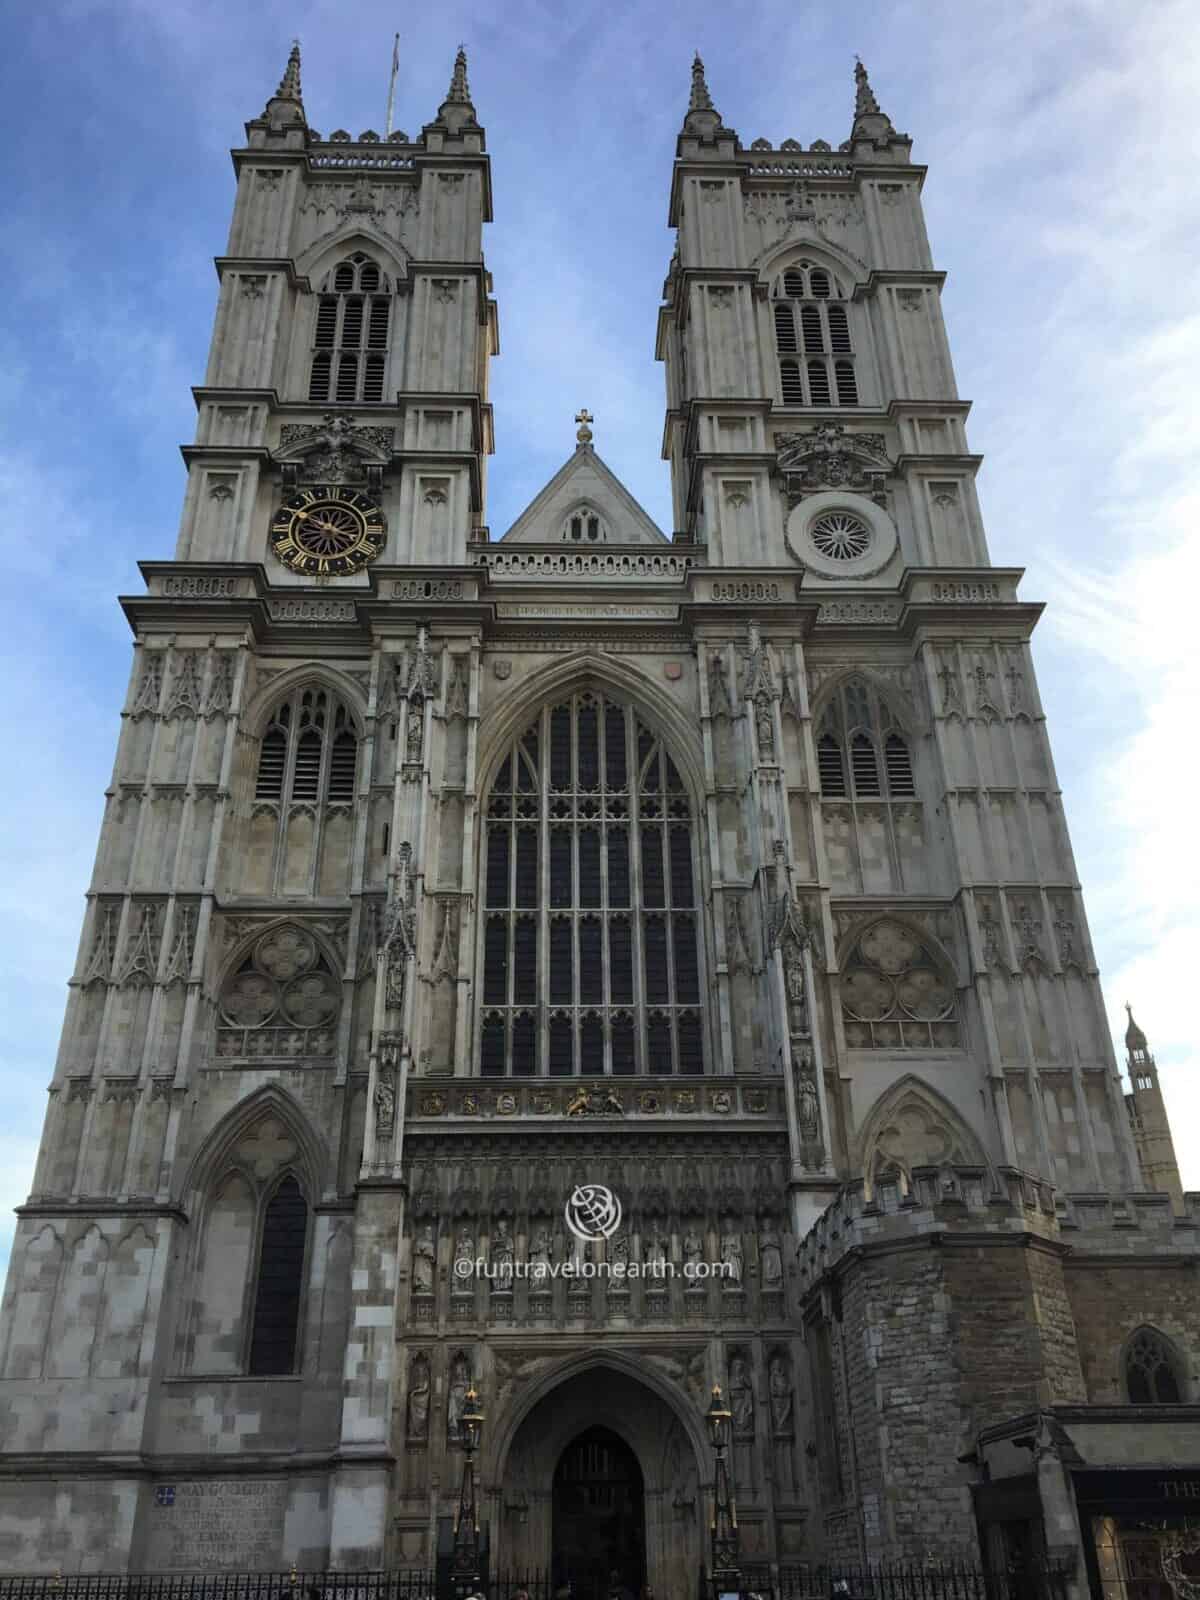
(599, 1518)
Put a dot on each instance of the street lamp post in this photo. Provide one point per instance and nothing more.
(726, 1573)
(465, 1567)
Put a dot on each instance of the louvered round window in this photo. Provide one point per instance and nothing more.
(840, 536)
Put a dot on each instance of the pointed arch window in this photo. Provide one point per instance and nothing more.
(278, 1289)
(305, 779)
(584, 526)
(811, 319)
(590, 928)
(351, 333)
(1152, 1370)
(862, 752)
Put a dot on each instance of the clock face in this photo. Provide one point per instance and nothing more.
(328, 532)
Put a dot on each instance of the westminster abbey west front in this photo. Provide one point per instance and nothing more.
(723, 868)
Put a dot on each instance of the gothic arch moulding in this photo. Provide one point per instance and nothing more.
(912, 1125)
(808, 241)
(902, 707)
(325, 253)
(589, 669)
(270, 1117)
(266, 697)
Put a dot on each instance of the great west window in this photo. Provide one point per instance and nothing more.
(590, 927)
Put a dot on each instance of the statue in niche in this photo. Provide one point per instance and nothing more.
(618, 1257)
(424, 1261)
(541, 1253)
(418, 1400)
(656, 1252)
(808, 1107)
(502, 1258)
(770, 1256)
(693, 1255)
(464, 1251)
(415, 730)
(456, 1399)
(741, 1398)
(731, 1256)
(779, 1385)
(797, 992)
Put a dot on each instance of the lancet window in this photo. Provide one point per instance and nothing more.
(590, 928)
(351, 333)
(813, 338)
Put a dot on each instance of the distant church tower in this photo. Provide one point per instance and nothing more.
(1151, 1129)
(592, 965)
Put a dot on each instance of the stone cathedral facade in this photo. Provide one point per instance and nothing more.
(723, 866)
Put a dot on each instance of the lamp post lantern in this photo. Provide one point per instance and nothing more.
(726, 1573)
(466, 1526)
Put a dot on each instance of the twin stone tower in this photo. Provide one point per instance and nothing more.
(723, 867)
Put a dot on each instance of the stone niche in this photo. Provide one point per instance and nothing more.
(216, 1525)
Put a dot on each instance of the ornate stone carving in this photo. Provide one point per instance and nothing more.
(183, 938)
(335, 450)
(417, 1416)
(140, 965)
(594, 1100)
(183, 697)
(387, 1067)
(741, 1397)
(456, 1396)
(149, 690)
(779, 1390)
(828, 457)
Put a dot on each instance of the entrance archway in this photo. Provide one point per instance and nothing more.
(653, 1435)
(598, 1518)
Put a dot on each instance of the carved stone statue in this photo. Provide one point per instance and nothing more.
(418, 1400)
(424, 1261)
(656, 1252)
(385, 1103)
(731, 1256)
(741, 1398)
(693, 1254)
(808, 1108)
(541, 1253)
(779, 1385)
(502, 1258)
(464, 1252)
(415, 731)
(456, 1399)
(770, 1256)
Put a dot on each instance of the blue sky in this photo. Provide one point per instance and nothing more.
(1061, 140)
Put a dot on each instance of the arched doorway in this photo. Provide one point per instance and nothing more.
(599, 1517)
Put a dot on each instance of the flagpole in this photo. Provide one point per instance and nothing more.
(392, 82)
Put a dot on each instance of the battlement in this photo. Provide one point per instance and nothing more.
(959, 1199)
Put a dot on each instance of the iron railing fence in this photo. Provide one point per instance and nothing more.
(293, 1585)
(927, 1580)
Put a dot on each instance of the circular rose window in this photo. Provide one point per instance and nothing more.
(840, 536)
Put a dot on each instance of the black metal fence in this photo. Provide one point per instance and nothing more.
(929, 1580)
(416, 1585)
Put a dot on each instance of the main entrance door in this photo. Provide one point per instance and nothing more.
(599, 1518)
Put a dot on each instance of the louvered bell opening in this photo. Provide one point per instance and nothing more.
(368, 276)
(865, 768)
(789, 382)
(377, 328)
(830, 768)
(847, 387)
(818, 384)
(839, 330)
(819, 285)
(326, 322)
(785, 329)
(373, 380)
(352, 324)
(318, 380)
(277, 1293)
(343, 278)
(342, 764)
(793, 284)
(899, 767)
(271, 763)
(810, 323)
(347, 378)
(306, 781)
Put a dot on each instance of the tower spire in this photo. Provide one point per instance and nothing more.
(1135, 1040)
(457, 110)
(702, 117)
(869, 121)
(286, 105)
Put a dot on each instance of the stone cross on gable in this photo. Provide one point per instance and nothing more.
(583, 418)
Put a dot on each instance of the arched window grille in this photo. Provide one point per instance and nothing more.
(584, 526)
(897, 993)
(281, 1002)
(1152, 1376)
(278, 1288)
(590, 930)
(811, 320)
(350, 338)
